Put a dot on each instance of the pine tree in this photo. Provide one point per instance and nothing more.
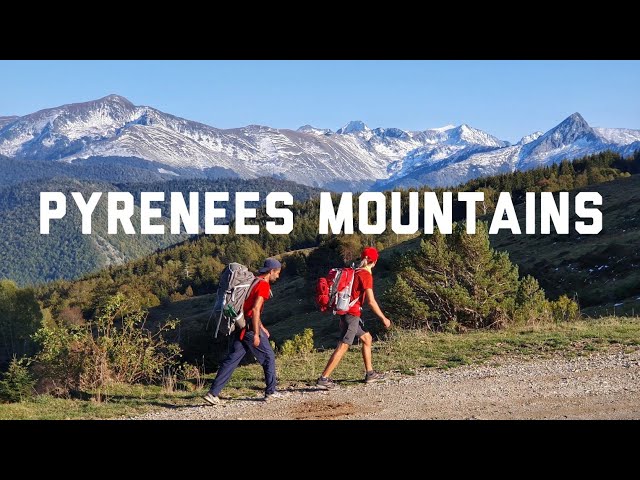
(454, 278)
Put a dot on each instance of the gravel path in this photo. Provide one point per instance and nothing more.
(600, 386)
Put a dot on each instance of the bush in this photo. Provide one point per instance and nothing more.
(177, 297)
(300, 344)
(71, 316)
(17, 383)
(532, 306)
(139, 296)
(20, 317)
(61, 359)
(408, 310)
(565, 310)
(116, 346)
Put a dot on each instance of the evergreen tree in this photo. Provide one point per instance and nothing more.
(454, 279)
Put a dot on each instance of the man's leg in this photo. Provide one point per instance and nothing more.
(349, 326)
(229, 364)
(370, 375)
(265, 356)
(367, 340)
(335, 358)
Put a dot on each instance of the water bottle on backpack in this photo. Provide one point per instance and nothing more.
(333, 292)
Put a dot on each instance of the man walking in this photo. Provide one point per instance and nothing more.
(253, 338)
(351, 325)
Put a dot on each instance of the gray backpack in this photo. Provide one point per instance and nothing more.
(236, 281)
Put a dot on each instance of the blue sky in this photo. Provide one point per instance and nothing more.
(508, 99)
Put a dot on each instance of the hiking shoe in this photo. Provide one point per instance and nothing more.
(212, 399)
(273, 396)
(373, 376)
(325, 383)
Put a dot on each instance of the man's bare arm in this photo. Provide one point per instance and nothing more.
(371, 299)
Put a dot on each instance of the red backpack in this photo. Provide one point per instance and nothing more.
(333, 292)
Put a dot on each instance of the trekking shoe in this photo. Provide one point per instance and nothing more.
(325, 383)
(273, 396)
(373, 376)
(212, 399)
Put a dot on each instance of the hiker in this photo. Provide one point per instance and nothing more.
(351, 324)
(253, 338)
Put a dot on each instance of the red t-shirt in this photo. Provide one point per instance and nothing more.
(363, 280)
(261, 289)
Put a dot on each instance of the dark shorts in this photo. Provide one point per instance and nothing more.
(350, 328)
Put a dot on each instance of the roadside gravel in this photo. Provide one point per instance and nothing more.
(599, 386)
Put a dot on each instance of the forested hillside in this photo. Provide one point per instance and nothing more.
(68, 254)
(193, 267)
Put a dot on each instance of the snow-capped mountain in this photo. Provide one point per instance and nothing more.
(445, 146)
(355, 156)
(530, 138)
(355, 126)
(572, 138)
(316, 131)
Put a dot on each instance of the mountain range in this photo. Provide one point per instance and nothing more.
(113, 131)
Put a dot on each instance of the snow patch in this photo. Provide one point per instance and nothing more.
(619, 136)
(442, 129)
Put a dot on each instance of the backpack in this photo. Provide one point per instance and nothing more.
(234, 286)
(333, 292)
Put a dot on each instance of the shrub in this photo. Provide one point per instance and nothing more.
(409, 311)
(62, 355)
(177, 297)
(300, 344)
(116, 346)
(20, 317)
(565, 310)
(17, 383)
(192, 376)
(134, 352)
(138, 296)
(349, 247)
(71, 316)
(532, 306)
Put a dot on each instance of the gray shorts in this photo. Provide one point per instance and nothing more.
(350, 328)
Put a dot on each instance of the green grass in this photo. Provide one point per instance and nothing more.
(402, 351)
(118, 401)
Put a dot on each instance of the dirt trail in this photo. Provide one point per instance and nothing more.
(600, 386)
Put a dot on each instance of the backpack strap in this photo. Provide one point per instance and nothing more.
(353, 279)
(355, 300)
(255, 283)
